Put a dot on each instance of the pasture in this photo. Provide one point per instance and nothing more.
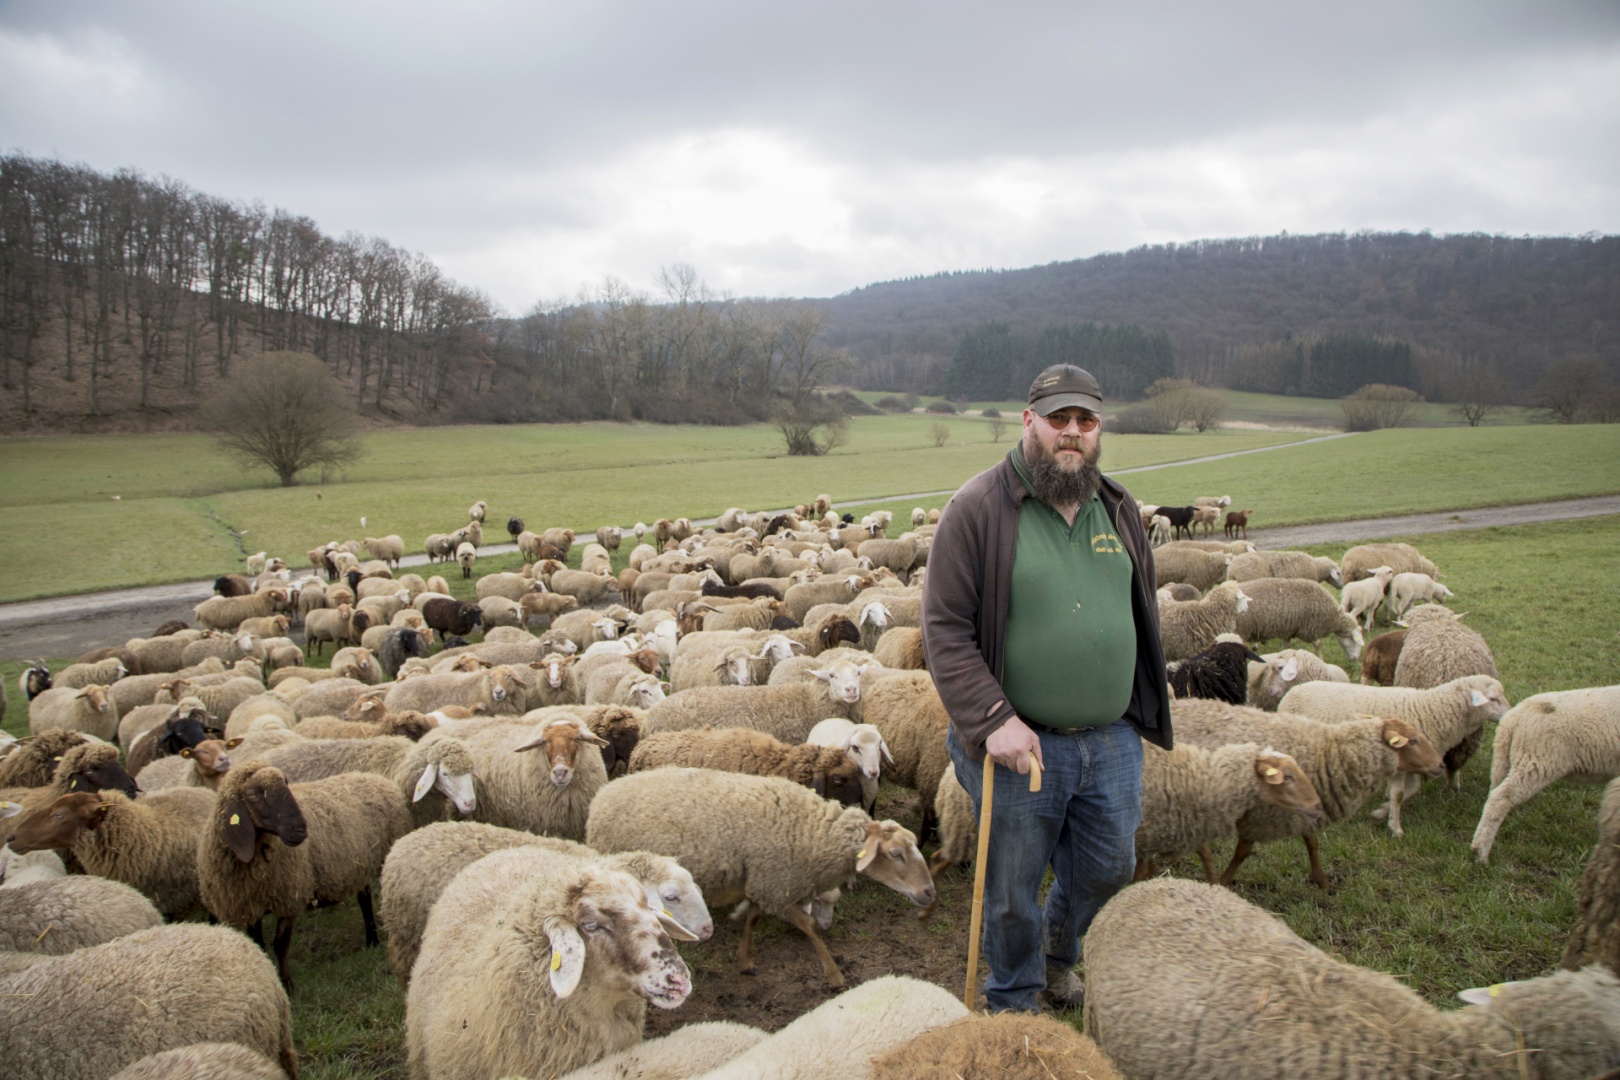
(1418, 907)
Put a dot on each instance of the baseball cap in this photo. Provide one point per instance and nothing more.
(1063, 386)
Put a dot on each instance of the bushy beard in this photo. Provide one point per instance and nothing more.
(1059, 483)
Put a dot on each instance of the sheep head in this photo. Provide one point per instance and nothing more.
(1413, 753)
(607, 914)
(1285, 785)
(58, 824)
(562, 739)
(254, 800)
(889, 854)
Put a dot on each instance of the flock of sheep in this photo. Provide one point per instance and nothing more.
(546, 814)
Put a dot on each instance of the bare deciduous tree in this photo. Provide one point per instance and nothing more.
(1377, 406)
(285, 411)
(940, 432)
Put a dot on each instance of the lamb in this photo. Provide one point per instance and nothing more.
(204, 1061)
(548, 604)
(149, 845)
(221, 698)
(356, 662)
(730, 666)
(1193, 796)
(1596, 935)
(1361, 598)
(1288, 608)
(1439, 648)
(1543, 739)
(892, 1009)
(499, 611)
(442, 768)
(759, 838)
(754, 615)
(787, 711)
(330, 697)
(626, 684)
(1407, 589)
(466, 555)
(1271, 1005)
(1237, 521)
(498, 689)
(1187, 628)
(1362, 560)
(1220, 672)
(252, 858)
(1446, 715)
(91, 710)
(367, 718)
(1346, 762)
(102, 673)
(1280, 672)
(557, 682)
(420, 866)
(548, 792)
(826, 770)
(200, 766)
(1381, 657)
(226, 612)
(481, 1000)
(799, 599)
(1282, 564)
(146, 992)
(864, 745)
(60, 915)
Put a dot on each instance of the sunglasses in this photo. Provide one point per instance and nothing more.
(1061, 420)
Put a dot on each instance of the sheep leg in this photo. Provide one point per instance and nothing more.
(253, 931)
(1514, 790)
(829, 967)
(1208, 858)
(1317, 874)
(284, 933)
(366, 916)
(745, 949)
(1144, 870)
(1241, 852)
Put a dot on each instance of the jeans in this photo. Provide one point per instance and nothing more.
(1082, 823)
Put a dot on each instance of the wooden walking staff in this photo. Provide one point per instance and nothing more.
(976, 922)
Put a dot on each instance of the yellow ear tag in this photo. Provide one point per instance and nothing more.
(236, 819)
(556, 961)
(861, 854)
(666, 912)
(1271, 770)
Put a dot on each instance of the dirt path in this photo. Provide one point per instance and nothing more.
(70, 625)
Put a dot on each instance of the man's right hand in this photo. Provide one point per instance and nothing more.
(1012, 743)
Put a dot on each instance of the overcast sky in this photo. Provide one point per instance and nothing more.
(803, 149)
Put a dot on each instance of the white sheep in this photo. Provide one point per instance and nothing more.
(1187, 628)
(1445, 714)
(760, 838)
(1407, 589)
(1294, 564)
(787, 711)
(539, 773)
(420, 865)
(1544, 739)
(1200, 569)
(1270, 1005)
(865, 746)
(1360, 599)
(56, 916)
(1284, 670)
(1288, 608)
(1362, 560)
(91, 710)
(442, 768)
(483, 999)
(1437, 649)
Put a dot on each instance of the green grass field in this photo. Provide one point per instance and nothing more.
(178, 499)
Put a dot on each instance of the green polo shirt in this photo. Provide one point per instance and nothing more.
(1071, 638)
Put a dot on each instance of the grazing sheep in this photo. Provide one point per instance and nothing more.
(906, 709)
(1282, 564)
(759, 838)
(826, 770)
(1544, 739)
(548, 792)
(787, 710)
(143, 993)
(1200, 569)
(60, 915)
(1271, 1005)
(149, 845)
(420, 865)
(1446, 715)
(1437, 649)
(1596, 935)
(442, 769)
(227, 612)
(1381, 657)
(1362, 598)
(589, 589)
(1346, 763)
(204, 1061)
(482, 1001)
(1193, 797)
(1187, 628)
(1220, 672)
(1362, 560)
(1288, 608)
(1281, 671)
(91, 710)
(102, 673)
(274, 847)
(1407, 589)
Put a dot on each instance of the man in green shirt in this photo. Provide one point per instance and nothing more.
(1041, 631)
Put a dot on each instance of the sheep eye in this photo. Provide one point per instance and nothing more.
(897, 854)
(591, 927)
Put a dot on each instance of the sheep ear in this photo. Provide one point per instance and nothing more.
(1476, 699)
(241, 834)
(9, 808)
(533, 744)
(590, 737)
(430, 776)
(819, 783)
(1268, 772)
(233, 743)
(673, 927)
(185, 752)
(884, 746)
(869, 846)
(567, 956)
(1290, 669)
(823, 674)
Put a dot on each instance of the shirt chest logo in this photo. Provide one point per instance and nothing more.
(1106, 543)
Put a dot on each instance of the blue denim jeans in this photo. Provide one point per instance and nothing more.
(1082, 823)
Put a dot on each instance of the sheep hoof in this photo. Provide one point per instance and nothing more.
(1380, 813)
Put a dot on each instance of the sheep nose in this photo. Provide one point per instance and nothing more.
(706, 931)
(924, 896)
(561, 774)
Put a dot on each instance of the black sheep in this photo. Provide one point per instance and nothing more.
(36, 680)
(179, 732)
(1180, 518)
(748, 591)
(450, 616)
(399, 644)
(1220, 672)
(233, 585)
(514, 526)
(173, 626)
